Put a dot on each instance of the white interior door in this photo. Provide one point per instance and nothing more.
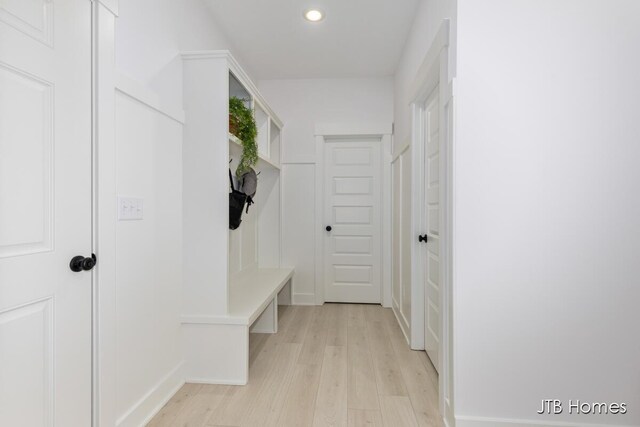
(45, 212)
(352, 193)
(432, 215)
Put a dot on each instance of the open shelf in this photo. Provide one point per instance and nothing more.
(235, 149)
(237, 90)
(274, 143)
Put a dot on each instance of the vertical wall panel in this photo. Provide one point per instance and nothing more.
(298, 236)
(148, 251)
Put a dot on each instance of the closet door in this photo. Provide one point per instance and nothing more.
(353, 231)
(401, 237)
(45, 213)
(432, 211)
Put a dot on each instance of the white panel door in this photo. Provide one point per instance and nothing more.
(45, 212)
(431, 268)
(352, 217)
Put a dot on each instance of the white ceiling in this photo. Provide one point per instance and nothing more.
(357, 38)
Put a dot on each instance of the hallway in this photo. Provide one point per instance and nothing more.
(337, 364)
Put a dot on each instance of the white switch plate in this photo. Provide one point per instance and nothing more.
(130, 208)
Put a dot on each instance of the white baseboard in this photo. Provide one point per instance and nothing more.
(151, 403)
(213, 381)
(304, 299)
(469, 421)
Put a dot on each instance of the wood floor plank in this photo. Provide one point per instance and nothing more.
(397, 411)
(239, 399)
(334, 365)
(301, 397)
(296, 331)
(361, 380)
(365, 418)
(336, 324)
(388, 376)
(256, 342)
(170, 411)
(315, 338)
(331, 401)
(200, 406)
(421, 386)
(266, 410)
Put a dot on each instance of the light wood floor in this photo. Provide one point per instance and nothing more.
(335, 365)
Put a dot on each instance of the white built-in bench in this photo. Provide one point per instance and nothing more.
(217, 347)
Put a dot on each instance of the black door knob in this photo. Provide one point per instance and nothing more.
(328, 228)
(80, 263)
(422, 238)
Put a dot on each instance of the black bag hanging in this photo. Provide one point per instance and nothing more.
(237, 199)
(248, 183)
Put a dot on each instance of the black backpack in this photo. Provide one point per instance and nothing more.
(248, 183)
(237, 199)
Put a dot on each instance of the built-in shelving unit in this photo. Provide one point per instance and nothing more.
(264, 162)
(233, 279)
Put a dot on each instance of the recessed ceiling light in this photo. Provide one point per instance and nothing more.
(313, 15)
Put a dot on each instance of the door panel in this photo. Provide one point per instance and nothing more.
(45, 212)
(352, 209)
(432, 261)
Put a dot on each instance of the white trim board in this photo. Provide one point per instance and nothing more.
(133, 89)
(151, 403)
(469, 421)
(104, 216)
(304, 299)
(353, 129)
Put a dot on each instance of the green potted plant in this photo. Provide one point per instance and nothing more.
(243, 125)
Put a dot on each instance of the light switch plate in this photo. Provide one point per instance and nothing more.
(130, 208)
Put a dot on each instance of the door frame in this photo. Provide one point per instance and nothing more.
(327, 131)
(103, 312)
(434, 74)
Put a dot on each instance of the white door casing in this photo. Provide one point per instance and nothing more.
(352, 196)
(432, 213)
(402, 236)
(45, 212)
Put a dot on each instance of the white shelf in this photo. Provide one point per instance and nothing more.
(235, 147)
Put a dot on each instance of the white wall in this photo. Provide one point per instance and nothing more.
(301, 104)
(148, 258)
(548, 207)
(149, 37)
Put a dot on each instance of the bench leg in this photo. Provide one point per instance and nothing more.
(267, 323)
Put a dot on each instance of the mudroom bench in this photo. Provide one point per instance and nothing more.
(217, 347)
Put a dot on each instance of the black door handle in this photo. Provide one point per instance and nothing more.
(80, 263)
(422, 238)
(328, 228)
